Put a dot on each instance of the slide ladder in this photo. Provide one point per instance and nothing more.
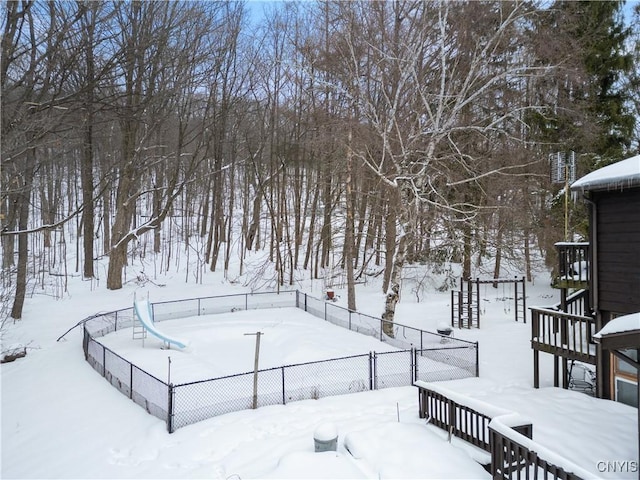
(144, 313)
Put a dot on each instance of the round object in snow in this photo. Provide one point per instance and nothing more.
(325, 438)
(445, 331)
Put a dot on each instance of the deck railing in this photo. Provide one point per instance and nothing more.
(563, 334)
(573, 265)
(576, 304)
(506, 436)
(460, 416)
(517, 456)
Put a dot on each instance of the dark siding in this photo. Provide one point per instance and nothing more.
(618, 246)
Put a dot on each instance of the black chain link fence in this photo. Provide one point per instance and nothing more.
(424, 356)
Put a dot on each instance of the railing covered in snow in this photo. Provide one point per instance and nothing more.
(506, 436)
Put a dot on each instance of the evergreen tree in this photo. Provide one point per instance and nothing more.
(589, 109)
(592, 115)
(633, 79)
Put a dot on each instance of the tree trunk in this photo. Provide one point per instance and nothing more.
(466, 251)
(312, 231)
(393, 293)
(527, 254)
(125, 206)
(349, 245)
(88, 219)
(23, 237)
(390, 239)
(86, 173)
(403, 200)
(325, 234)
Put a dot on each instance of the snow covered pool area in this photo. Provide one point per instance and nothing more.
(225, 344)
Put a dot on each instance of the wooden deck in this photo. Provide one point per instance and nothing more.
(504, 434)
(573, 265)
(566, 330)
(566, 336)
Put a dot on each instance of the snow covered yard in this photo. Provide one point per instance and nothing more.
(60, 419)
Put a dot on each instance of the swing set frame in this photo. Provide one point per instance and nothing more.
(465, 302)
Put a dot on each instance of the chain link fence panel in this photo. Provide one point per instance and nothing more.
(197, 401)
(327, 378)
(117, 371)
(150, 393)
(446, 363)
(174, 309)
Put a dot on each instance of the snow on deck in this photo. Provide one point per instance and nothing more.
(585, 430)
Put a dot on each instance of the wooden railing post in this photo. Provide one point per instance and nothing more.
(452, 422)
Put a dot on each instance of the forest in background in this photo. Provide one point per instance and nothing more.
(357, 136)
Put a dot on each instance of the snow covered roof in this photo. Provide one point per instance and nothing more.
(620, 333)
(617, 176)
(626, 323)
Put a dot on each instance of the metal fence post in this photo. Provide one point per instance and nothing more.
(470, 303)
(370, 370)
(85, 342)
(477, 360)
(170, 409)
(130, 381)
(284, 395)
(375, 371)
(478, 300)
(412, 361)
(515, 299)
(524, 300)
(452, 308)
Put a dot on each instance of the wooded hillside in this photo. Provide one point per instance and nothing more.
(355, 136)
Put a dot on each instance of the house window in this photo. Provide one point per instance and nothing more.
(625, 379)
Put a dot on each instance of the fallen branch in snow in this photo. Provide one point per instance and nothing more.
(13, 353)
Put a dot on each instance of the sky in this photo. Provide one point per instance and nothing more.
(61, 419)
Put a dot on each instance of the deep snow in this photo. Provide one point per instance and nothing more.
(60, 419)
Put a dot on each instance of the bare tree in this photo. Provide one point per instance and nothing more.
(34, 102)
(426, 70)
(156, 74)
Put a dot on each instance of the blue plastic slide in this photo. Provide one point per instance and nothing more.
(144, 313)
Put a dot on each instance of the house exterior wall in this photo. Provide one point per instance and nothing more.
(615, 255)
(618, 250)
